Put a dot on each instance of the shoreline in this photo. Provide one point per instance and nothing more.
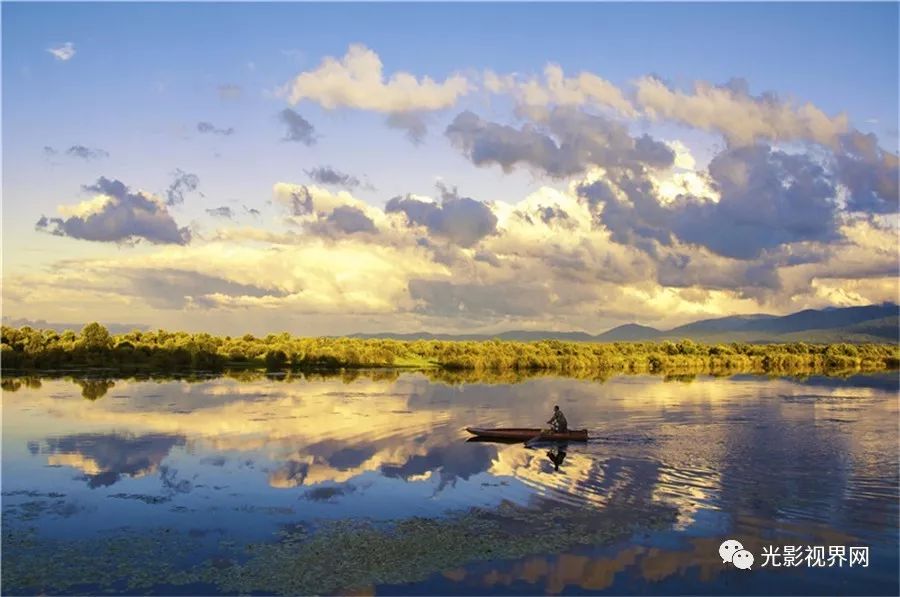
(95, 381)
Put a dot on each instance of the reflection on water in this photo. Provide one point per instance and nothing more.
(557, 455)
(767, 461)
(103, 458)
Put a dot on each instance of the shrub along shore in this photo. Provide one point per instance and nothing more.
(28, 349)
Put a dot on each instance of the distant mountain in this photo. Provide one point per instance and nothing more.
(630, 332)
(720, 324)
(518, 335)
(873, 323)
(876, 330)
(811, 319)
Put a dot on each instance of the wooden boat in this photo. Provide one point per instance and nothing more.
(525, 434)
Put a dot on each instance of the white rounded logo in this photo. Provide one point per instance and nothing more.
(742, 559)
(728, 549)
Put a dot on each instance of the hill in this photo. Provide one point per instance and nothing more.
(872, 323)
(630, 332)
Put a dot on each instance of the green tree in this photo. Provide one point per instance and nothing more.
(95, 337)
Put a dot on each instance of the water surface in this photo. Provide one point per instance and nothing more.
(166, 477)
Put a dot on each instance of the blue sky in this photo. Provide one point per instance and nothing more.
(144, 76)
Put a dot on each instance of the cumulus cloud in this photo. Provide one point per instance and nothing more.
(560, 142)
(682, 268)
(460, 220)
(741, 117)
(585, 89)
(767, 199)
(557, 259)
(116, 214)
(299, 129)
(330, 176)
(757, 229)
(870, 174)
(729, 109)
(305, 200)
(325, 214)
(64, 52)
(343, 220)
(183, 184)
(358, 81)
(209, 128)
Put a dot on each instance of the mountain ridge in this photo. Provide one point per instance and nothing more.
(870, 323)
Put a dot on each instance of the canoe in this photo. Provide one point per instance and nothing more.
(525, 434)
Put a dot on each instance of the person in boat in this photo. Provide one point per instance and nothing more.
(558, 423)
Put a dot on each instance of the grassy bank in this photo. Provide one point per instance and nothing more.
(27, 349)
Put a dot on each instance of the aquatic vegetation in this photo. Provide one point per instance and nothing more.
(35, 509)
(349, 554)
(337, 556)
(124, 562)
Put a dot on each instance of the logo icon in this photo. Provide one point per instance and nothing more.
(742, 559)
(727, 549)
(733, 551)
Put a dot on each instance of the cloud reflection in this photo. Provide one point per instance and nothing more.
(104, 459)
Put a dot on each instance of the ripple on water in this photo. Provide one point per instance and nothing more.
(745, 456)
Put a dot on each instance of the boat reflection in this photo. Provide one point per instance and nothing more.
(557, 455)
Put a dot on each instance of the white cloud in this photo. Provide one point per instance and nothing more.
(93, 206)
(551, 263)
(64, 52)
(740, 117)
(727, 109)
(682, 178)
(358, 81)
(305, 203)
(585, 89)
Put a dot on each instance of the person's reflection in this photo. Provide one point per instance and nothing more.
(557, 454)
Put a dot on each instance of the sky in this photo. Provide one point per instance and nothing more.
(331, 169)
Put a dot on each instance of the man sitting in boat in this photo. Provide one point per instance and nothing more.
(558, 423)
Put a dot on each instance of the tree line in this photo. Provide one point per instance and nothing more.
(26, 348)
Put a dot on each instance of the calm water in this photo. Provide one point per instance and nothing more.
(208, 473)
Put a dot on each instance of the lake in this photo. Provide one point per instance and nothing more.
(366, 485)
